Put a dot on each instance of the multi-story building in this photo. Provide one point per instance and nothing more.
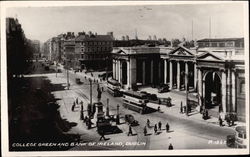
(93, 50)
(36, 46)
(214, 71)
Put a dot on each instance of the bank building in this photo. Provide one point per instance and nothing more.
(214, 71)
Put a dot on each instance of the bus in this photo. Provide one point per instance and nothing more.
(135, 101)
(114, 87)
(240, 137)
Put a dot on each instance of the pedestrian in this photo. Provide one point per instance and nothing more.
(102, 89)
(155, 128)
(82, 107)
(220, 120)
(159, 125)
(170, 147)
(159, 108)
(76, 100)
(130, 131)
(167, 127)
(148, 123)
(145, 131)
(73, 106)
(181, 109)
(81, 115)
(102, 135)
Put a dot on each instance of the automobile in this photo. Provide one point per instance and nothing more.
(152, 97)
(164, 88)
(131, 120)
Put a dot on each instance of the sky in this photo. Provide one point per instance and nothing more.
(164, 21)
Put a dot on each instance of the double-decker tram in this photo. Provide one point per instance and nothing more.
(114, 87)
(135, 101)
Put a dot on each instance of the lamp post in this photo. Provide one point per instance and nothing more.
(118, 117)
(107, 109)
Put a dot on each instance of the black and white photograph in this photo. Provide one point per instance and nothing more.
(112, 78)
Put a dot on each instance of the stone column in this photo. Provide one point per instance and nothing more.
(186, 73)
(178, 76)
(114, 69)
(223, 89)
(170, 74)
(120, 72)
(200, 85)
(233, 92)
(143, 72)
(152, 71)
(165, 71)
(195, 76)
(229, 90)
(128, 74)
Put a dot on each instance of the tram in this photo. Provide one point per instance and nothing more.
(114, 87)
(135, 101)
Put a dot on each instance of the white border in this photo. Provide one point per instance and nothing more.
(4, 113)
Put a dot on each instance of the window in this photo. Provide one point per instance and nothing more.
(242, 87)
(221, 44)
(214, 44)
(206, 44)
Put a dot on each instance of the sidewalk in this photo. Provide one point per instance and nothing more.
(178, 97)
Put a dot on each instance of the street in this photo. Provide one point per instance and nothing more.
(183, 131)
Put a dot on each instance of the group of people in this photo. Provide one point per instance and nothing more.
(156, 127)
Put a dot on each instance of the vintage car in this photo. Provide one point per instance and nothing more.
(163, 88)
(131, 120)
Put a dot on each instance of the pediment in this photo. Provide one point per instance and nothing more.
(181, 51)
(209, 56)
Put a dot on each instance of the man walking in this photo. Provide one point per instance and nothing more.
(145, 131)
(148, 123)
(155, 128)
(73, 106)
(159, 125)
(167, 127)
(102, 135)
(130, 131)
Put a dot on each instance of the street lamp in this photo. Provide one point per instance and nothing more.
(118, 117)
(107, 109)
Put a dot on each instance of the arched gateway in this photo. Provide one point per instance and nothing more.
(212, 91)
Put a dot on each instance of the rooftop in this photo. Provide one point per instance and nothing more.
(219, 39)
(94, 38)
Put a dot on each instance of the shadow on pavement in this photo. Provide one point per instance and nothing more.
(34, 116)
